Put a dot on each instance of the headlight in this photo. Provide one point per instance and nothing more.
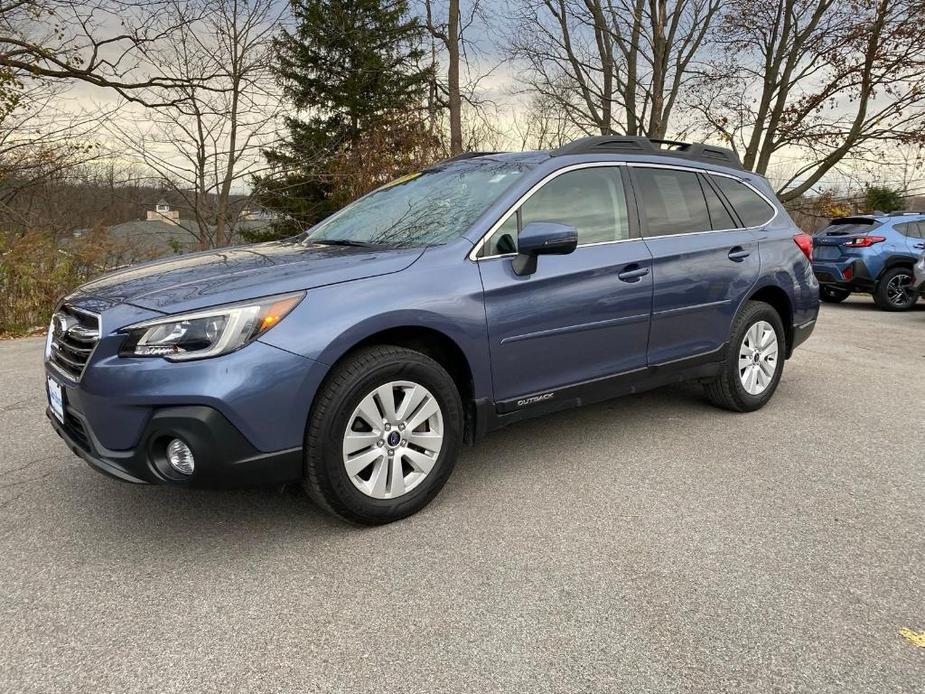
(207, 333)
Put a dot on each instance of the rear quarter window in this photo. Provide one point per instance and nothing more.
(752, 209)
(912, 230)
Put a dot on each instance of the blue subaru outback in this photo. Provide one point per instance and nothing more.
(874, 254)
(359, 356)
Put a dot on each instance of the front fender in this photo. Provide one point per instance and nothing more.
(444, 295)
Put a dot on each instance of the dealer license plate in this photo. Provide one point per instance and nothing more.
(56, 399)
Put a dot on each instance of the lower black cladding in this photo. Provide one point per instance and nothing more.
(224, 457)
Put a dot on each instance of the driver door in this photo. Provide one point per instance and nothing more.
(580, 316)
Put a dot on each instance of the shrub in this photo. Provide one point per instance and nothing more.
(883, 199)
(36, 271)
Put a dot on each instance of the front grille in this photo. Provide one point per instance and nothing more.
(74, 334)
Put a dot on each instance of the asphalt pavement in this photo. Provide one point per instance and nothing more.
(648, 544)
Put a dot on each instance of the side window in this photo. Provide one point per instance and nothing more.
(912, 230)
(752, 209)
(719, 215)
(671, 202)
(591, 200)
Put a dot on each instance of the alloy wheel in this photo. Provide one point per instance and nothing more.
(393, 439)
(758, 358)
(899, 289)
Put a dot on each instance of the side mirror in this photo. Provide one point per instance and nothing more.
(542, 238)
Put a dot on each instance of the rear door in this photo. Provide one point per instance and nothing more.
(704, 262)
(579, 316)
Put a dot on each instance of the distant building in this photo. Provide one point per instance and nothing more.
(164, 233)
(158, 237)
(163, 213)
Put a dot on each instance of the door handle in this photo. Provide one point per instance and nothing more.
(920, 245)
(738, 254)
(633, 273)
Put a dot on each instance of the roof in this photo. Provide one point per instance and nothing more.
(898, 215)
(157, 235)
(876, 217)
(646, 146)
(618, 145)
(164, 237)
(529, 157)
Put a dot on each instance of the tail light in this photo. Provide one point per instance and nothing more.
(805, 242)
(864, 241)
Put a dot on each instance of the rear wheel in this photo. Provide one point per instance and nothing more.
(754, 360)
(833, 295)
(894, 290)
(383, 435)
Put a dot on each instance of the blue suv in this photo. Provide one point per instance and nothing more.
(870, 253)
(359, 356)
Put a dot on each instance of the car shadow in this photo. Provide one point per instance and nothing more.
(188, 521)
(862, 303)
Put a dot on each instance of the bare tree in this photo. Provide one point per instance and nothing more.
(105, 43)
(819, 81)
(202, 144)
(470, 115)
(542, 125)
(41, 143)
(448, 33)
(612, 64)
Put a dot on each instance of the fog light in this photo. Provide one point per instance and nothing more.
(180, 457)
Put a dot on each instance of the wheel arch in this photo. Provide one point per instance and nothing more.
(429, 341)
(432, 342)
(907, 262)
(777, 298)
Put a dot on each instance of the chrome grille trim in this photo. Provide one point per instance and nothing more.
(74, 335)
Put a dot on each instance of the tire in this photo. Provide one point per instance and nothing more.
(833, 295)
(397, 485)
(894, 290)
(728, 389)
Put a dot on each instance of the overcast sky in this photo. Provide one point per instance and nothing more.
(502, 88)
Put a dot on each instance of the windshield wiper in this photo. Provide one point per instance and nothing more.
(343, 242)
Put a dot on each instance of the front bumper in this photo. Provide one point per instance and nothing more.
(919, 281)
(243, 414)
(224, 458)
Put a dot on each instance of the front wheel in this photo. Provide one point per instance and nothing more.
(833, 295)
(894, 290)
(754, 360)
(383, 435)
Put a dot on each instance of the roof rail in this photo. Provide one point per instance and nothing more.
(632, 144)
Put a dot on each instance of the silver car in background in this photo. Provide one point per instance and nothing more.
(918, 282)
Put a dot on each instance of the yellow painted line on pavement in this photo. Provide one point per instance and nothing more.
(917, 638)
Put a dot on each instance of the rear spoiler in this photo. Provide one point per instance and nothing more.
(855, 220)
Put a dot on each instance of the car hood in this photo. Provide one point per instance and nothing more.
(208, 278)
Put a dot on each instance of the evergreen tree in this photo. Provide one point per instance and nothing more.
(354, 71)
(883, 199)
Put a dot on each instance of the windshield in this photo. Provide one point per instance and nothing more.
(426, 208)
